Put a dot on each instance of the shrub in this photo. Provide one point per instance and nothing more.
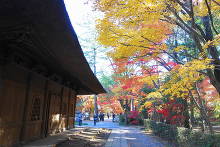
(134, 118)
(133, 114)
(121, 119)
(134, 122)
(182, 137)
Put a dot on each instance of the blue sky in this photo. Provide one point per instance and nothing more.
(81, 12)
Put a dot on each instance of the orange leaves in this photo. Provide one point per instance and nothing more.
(148, 104)
(208, 92)
(109, 103)
(160, 29)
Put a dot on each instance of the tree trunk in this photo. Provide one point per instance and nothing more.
(132, 105)
(203, 125)
(209, 37)
(213, 52)
(94, 68)
(192, 118)
(95, 105)
(203, 111)
(126, 111)
(186, 114)
(213, 80)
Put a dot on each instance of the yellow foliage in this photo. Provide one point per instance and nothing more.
(116, 89)
(185, 77)
(200, 9)
(148, 104)
(154, 95)
(149, 79)
(140, 28)
(179, 48)
(214, 42)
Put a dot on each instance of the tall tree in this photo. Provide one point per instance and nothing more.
(139, 27)
(179, 37)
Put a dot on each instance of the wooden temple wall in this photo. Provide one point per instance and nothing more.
(31, 106)
(12, 99)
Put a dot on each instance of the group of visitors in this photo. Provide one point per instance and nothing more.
(101, 116)
(96, 118)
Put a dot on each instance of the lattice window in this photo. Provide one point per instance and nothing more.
(35, 115)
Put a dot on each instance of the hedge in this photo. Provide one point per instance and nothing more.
(182, 137)
(122, 119)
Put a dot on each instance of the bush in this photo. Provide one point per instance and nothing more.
(134, 122)
(134, 118)
(121, 119)
(182, 137)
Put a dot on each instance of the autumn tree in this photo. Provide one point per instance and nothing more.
(139, 28)
(159, 32)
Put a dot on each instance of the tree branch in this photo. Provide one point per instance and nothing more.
(210, 15)
(216, 2)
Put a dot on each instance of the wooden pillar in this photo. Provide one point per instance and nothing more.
(74, 106)
(25, 109)
(68, 110)
(44, 114)
(61, 107)
(47, 114)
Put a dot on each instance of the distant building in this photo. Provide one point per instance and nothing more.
(42, 69)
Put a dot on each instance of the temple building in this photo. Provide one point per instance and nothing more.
(42, 70)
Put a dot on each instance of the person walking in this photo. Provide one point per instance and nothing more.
(95, 118)
(100, 116)
(103, 116)
(113, 117)
(108, 115)
(80, 118)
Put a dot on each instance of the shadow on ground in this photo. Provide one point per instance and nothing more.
(89, 137)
